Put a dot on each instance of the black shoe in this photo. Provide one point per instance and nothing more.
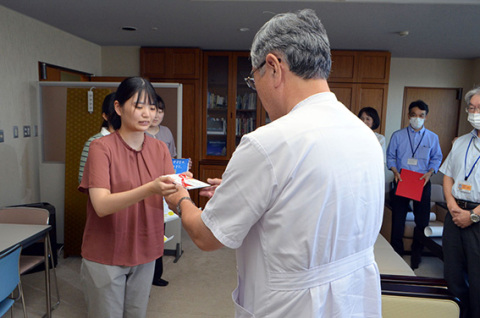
(415, 261)
(160, 282)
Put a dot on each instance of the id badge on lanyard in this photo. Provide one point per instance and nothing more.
(412, 161)
(465, 187)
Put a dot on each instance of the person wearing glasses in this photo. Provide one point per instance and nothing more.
(302, 198)
(417, 149)
(461, 231)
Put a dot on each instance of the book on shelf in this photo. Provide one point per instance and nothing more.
(244, 125)
(246, 102)
(216, 101)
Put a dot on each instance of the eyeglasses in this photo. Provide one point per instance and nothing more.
(250, 80)
(473, 109)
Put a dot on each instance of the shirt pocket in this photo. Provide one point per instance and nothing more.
(423, 152)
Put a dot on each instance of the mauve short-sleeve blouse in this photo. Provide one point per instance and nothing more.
(134, 235)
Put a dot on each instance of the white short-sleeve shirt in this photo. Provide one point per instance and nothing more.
(302, 202)
(454, 166)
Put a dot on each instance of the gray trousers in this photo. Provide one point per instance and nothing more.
(116, 291)
(461, 253)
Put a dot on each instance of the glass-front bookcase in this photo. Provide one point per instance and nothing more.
(231, 108)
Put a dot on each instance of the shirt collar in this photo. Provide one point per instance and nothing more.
(413, 130)
(474, 133)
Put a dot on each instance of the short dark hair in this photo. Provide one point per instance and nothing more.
(161, 103)
(420, 104)
(108, 108)
(128, 88)
(371, 112)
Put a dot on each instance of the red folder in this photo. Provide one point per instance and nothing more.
(411, 186)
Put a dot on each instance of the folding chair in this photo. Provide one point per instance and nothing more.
(28, 215)
(10, 278)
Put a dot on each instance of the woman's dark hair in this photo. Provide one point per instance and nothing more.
(128, 88)
(161, 103)
(371, 112)
(108, 108)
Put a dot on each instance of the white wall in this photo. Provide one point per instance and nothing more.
(121, 61)
(425, 73)
(25, 42)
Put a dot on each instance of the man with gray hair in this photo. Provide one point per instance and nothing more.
(301, 199)
(461, 232)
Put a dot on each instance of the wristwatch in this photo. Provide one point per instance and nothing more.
(179, 210)
(474, 217)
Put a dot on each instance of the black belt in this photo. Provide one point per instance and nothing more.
(467, 205)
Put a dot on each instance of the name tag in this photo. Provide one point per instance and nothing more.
(412, 162)
(465, 187)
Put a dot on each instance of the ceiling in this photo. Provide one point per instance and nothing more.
(437, 29)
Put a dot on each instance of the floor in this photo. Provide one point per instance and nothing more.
(201, 284)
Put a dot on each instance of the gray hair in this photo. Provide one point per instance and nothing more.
(471, 93)
(299, 39)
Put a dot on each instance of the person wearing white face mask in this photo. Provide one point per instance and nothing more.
(461, 233)
(417, 149)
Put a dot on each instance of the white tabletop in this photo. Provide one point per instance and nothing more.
(388, 261)
(24, 234)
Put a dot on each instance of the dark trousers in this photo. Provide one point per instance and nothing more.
(157, 274)
(421, 211)
(461, 257)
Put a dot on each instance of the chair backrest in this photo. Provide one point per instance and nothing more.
(24, 215)
(437, 193)
(9, 275)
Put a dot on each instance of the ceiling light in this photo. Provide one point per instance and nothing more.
(244, 29)
(129, 28)
(403, 33)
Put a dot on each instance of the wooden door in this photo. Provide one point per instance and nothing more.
(444, 110)
(373, 95)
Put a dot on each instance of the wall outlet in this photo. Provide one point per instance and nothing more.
(26, 131)
(15, 131)
(2, 138)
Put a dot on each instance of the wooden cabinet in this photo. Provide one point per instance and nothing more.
(230, 108)
(171, 63)
(179, 65)
(356, 96)
(210, 169)
(360, 79)
(360, 67)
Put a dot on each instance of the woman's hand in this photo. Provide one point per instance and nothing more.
(163, 185)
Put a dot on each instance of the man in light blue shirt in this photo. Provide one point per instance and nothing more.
(417, 149)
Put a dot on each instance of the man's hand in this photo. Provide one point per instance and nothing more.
(426, 177)
(396, 176)
(172, 199)
(209, 191)
(461, 218)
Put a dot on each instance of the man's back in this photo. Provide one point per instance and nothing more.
(311, 216)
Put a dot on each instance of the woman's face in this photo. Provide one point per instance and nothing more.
(136, 117)
(157, 120)
(367, 120)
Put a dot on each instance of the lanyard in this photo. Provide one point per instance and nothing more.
(466, 154)
(411, 146)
